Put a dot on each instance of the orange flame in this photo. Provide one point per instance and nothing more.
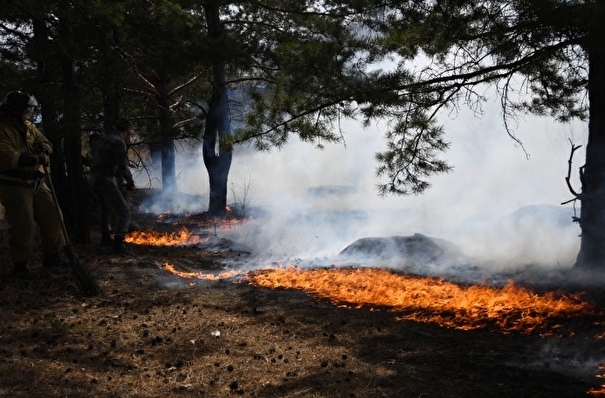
(425, 299)
(153, 238)
(198, 275)
(599, 392)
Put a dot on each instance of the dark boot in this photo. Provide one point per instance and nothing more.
(106, 240)
(21, 271)
(53, 261)
(118, 245)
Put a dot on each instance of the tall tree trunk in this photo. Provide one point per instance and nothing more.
(217, 153)
(48, 68)
(110, 88)
(168, 166)
(76, 209)
(592, 218)
(48, 98)
(217, 156)
(167, 142)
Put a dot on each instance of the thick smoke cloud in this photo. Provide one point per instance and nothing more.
(501, 205)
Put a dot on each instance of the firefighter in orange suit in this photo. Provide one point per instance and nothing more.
(25, 197)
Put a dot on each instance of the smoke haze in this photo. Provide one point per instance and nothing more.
(501, 205)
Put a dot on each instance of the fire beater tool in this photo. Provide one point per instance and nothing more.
(87, 283)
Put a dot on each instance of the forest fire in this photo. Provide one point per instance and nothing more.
(423, 299)
(431, 300)
(194, 229)
(198, 275)
(154, 238)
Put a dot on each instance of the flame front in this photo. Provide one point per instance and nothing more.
(599, 391)
(426, 299)
(198, 275)
(182, 237)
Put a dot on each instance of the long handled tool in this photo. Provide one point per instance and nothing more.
(87, 283)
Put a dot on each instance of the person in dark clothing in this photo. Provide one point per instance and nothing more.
(110, 165)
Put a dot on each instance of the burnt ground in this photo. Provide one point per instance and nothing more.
(153, 334)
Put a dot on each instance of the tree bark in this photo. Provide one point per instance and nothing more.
(111, 85)
(217, 153)
(48, 68)
(167, 142)
(217, 159)
(75, 210)
(592, 217)
(48, 110)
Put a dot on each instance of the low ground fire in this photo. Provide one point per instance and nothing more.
(184, 318)
(422, 299)
(193, 229)
(154, 238)
(509, 308)
(506, 308)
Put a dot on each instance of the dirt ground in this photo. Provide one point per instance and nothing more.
(154, 334)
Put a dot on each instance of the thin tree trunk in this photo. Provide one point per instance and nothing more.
(167, 142)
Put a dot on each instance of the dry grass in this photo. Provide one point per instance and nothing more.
(150, 334)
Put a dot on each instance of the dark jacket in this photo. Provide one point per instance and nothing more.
(109, 158)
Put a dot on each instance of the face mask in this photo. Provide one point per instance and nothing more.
(29, 113)
(32, 107)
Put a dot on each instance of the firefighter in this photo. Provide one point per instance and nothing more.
(109, 167)
(25, 197)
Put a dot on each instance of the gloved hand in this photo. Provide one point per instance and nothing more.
(42, 147)
(29, 160)
(43, 159)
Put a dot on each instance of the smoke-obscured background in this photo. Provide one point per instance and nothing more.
(501, 204)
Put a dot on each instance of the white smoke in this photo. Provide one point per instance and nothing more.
(500, 205)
